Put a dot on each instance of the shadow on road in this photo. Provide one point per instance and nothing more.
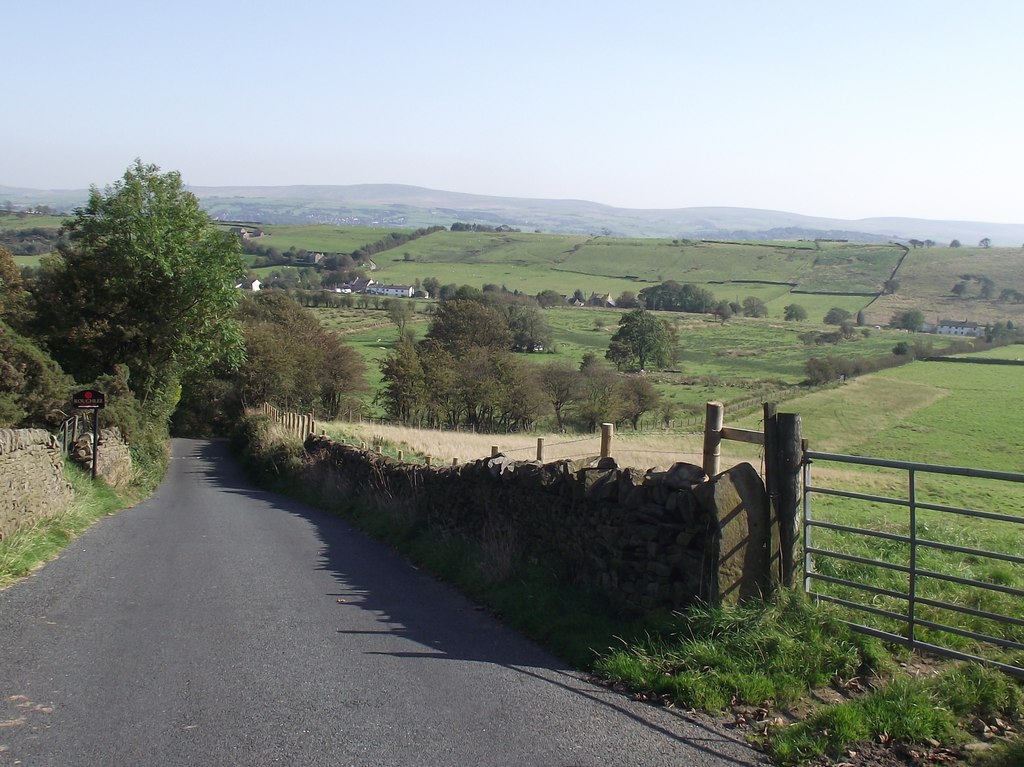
(406, 602)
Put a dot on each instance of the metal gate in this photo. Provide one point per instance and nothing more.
(908, 566)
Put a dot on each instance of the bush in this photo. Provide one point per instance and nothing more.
(34, 391)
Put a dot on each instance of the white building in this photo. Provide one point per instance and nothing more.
(957, 328)
(403, 291)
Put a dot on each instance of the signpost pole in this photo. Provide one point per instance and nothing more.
(95, 440)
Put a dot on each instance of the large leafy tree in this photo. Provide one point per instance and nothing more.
(643, 339)
(292, 360)
(146, 280)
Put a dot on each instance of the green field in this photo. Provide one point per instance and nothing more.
(940, 413)
(15, 223)
(320, 237)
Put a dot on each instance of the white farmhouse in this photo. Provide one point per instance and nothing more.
(957, 328)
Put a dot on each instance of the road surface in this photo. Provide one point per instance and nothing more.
(218, 624)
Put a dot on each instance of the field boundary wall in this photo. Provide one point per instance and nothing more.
(647, 539)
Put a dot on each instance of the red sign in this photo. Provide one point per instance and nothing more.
(88, 398)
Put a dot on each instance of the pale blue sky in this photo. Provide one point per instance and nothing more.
(846, 109)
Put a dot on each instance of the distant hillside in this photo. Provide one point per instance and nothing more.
(395, 205)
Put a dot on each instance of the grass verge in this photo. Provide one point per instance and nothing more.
(30, 546)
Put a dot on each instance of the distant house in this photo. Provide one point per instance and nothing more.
(601, 299)
(403, 291)
(253, 285)
(957, 328)
(247, 234)
(360, 285)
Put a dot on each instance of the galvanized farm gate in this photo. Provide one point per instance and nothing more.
(901, 551)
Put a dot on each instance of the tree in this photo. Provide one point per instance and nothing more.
(627, 300)
(954, 243)
(670, 296)
(560, 383)
(400, 311)
(723, 310)
(12, 296)
(404, 394)
(292, 360)
(911, 319)
(432, 286)
(146, 280)
(529, 328)
(646, 337)
(891, 285)
(795, 313)
(461, 324)
(547, 298)
(836, 316)
(985, 242)
(597, 397)
(638, 397)
(754, 307)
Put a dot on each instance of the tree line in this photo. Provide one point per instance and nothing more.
(464, 373)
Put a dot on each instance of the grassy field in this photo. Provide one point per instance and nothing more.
(15, 223)
(928, 412)
(320, 237)
(823, 275)
(928, 275)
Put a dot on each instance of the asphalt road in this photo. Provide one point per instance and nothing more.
(217, 624)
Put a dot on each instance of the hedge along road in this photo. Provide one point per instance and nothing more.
(220, 624)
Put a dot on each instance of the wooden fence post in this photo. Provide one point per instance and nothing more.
(713, 420)
(430, 461)
(607, 432)
(540, 449)
(786, 486)
(494, 451)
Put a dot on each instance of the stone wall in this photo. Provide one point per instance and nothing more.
(115, 462)
(32, 481)
(649, 539)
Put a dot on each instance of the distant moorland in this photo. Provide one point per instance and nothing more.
(395, 205)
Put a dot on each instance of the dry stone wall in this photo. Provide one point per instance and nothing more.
(649, 539)
(115, 460)
(32, 481)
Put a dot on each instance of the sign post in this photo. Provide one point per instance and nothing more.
(90, 399)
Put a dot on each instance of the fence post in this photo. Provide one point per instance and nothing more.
(713, 420)
(607, 432)
(494, 451)
(455, 461)
(430, 461)
(540, 449)
(786, 486)
(401, 455)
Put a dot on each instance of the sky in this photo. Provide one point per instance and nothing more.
(841, 109)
